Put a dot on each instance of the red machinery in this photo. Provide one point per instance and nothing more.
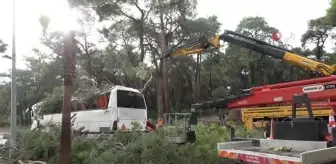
(321, 92)
(317, 92)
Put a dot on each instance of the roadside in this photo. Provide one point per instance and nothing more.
(4, 130)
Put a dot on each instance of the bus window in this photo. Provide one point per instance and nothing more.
(102, 101)
(128, 99)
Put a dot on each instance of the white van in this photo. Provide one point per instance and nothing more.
(125, 106)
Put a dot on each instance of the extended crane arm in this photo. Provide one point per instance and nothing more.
(205, 43)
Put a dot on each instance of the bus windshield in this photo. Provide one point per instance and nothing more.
(129, 99)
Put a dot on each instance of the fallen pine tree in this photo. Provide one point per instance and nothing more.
(42, 147)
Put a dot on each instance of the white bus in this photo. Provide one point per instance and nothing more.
(122, 107)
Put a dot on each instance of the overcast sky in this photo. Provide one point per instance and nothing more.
(289, 16)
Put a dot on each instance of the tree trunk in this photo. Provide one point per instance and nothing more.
(291, 73)
(69, 69)
(142, 49)
(165, 87)
(164, 50)
(319, 53)
(199, 79)
(65, 149)
(196, 79)
(210, 79)
(193, 87)
(159, 95)
(142, 45)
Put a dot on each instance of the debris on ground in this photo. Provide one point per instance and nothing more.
(281, 149)
(31, 162)
(3, 139)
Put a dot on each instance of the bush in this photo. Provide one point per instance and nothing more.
(210, 135)
(129, 148)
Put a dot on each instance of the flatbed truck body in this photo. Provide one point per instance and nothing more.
(261, 151)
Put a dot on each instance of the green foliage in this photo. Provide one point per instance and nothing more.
(209, 136)
(3, 46)
(143, 71)
(39, 145)
(242, 132)
(122, 147)
(318, 32)
(5, 98)
(52, 103)
(201, 26)
(256, 27)
(331, 13)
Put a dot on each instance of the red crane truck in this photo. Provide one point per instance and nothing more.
(307, 137)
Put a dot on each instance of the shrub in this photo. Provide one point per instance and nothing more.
(129, 148)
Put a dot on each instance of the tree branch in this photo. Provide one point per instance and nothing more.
(82, 45)
(147, 84)
(152, 47)
(153, 55)
(94, 51)
(31, 162)
(176, 45)
(137, 6)
(176, 28)
(115, 24)
(126, 15)
(146, 16)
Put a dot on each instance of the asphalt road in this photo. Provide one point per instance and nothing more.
(4, 130)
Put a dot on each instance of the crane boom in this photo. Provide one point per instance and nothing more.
(254, 44)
